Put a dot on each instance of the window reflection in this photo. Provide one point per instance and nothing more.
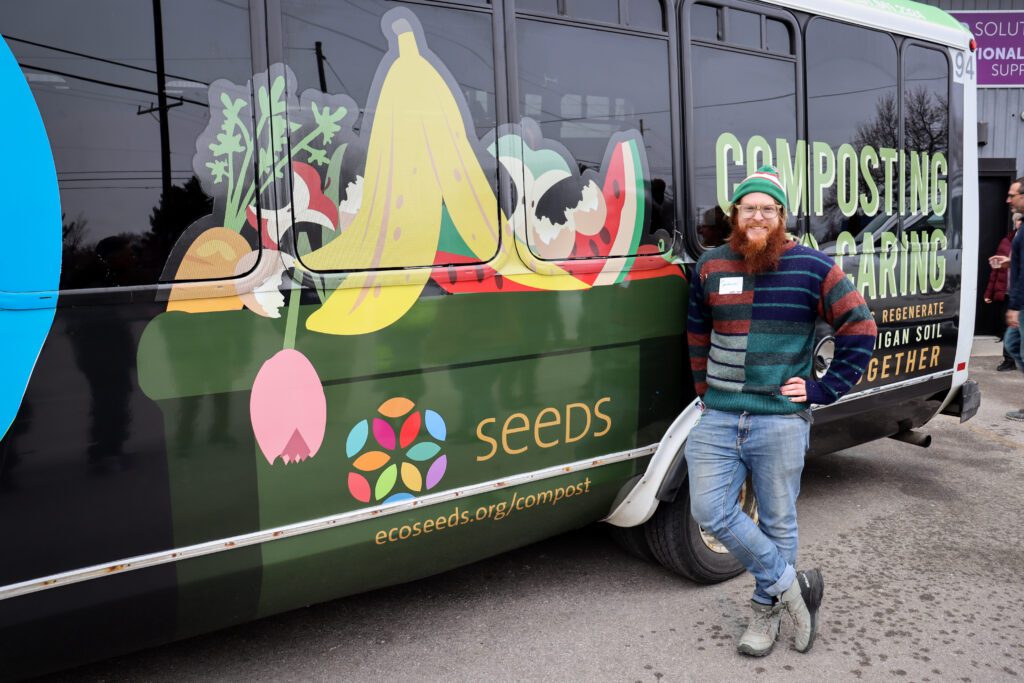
(125, 199)
(545, 6)
(758, 104)
(851, 95)
(926, 137)
(353, 46)
(353, 50)
(646, 14)
(744, 28)
(713, 228)
(583, 107)
(704, 22)
(778, 36)
(594, 10)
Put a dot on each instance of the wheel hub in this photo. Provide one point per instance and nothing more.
(748, 503)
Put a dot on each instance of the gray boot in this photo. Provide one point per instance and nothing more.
(802, 600)
(759, 638)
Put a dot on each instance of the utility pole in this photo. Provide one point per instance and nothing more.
(320, 65)
(161, 105)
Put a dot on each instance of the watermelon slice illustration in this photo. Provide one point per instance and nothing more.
(617, 244)
(624, 171)
(620, 198)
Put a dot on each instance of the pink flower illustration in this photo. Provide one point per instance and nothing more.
(288, 408)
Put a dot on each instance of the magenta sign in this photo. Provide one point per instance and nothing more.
(1000, 55)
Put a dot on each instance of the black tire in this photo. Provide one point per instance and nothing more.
(633, 540)
(675, 539)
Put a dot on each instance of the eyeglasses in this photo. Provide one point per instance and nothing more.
(768, 212)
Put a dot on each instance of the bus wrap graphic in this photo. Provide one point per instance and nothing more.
(31, 260)
(880, 212)
(407, 198)
(391, 449)
(288, 408)
(376, 214)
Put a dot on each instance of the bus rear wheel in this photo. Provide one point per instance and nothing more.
(682, 546)
(633, 540)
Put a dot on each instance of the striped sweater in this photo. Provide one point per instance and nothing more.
(748, 333)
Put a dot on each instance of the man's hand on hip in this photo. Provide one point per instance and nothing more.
(1012, 318)
(796, 388)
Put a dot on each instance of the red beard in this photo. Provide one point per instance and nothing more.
(759, 257)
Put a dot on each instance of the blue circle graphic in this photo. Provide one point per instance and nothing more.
(31, 234)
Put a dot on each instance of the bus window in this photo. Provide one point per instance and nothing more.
(852, 125)
(542, 6)
(704, 23)
(647, 14)
(332, 51)
(126, 197)
(594, 10)
(578, 87)
(642, 14)
(778, 37)
(743, 28)
(926, 138)
(745, 112)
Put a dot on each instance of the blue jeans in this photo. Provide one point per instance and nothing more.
(1012, 346)
(720, 451)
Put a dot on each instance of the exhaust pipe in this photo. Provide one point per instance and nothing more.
(912, 437)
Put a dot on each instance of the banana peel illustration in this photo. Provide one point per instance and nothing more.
(419, 158)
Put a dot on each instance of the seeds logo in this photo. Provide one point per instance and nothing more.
(392, 459)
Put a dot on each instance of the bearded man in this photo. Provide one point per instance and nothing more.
(753, 304)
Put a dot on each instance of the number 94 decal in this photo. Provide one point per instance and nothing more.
(963, 63)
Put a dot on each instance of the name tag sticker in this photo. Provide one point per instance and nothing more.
(730, 285)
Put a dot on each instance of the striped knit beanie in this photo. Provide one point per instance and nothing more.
(766, 180)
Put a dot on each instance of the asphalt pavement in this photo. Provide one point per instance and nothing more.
(921, 551)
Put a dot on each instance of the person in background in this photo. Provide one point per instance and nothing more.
(1015, 289)
(714, 228)
(995, 292)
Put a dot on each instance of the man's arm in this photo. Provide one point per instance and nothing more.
(855, 331)
(698, 332)
(1015, 287)
(990, 288)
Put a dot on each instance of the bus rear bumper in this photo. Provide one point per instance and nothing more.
(966, 403)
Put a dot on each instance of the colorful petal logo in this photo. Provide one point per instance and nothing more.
(390, 452)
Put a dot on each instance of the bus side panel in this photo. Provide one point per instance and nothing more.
(479, 405)
(539, 380)
(877, 416)
(153, 426)
(84, 480)
(404, 547)
(859, 124)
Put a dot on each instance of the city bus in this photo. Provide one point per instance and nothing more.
(304, 298)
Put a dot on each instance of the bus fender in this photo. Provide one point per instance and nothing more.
(664, 473)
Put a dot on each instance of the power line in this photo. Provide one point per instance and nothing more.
(97, 59)
(116, 187)
(110, 84)
(111, 179)
(121, 170)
